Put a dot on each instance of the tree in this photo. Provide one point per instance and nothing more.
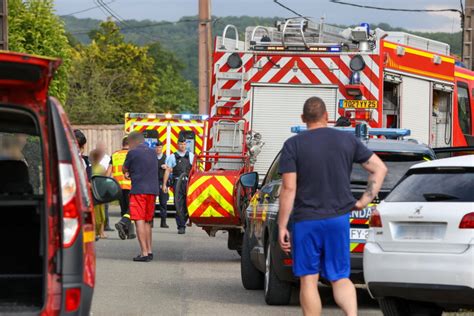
(34, 29)
(110, 77)
(175, 93)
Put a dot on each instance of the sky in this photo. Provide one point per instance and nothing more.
(172, 10)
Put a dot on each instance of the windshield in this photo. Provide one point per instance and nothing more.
(397, 164)
(435, 187)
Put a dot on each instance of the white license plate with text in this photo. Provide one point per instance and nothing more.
(359, 234)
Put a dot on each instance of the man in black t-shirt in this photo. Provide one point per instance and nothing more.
(316, 166)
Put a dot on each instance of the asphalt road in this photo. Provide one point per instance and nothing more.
(192, 274)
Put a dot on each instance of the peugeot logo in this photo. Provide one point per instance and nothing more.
(418, 210)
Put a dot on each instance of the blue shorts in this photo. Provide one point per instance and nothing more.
(322, 246)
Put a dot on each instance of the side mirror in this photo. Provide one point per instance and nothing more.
(105, 189)
(249, 180)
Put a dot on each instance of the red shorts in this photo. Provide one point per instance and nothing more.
(142, 207)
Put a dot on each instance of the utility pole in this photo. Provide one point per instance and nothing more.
(204, 55)
(3, 25)
(468, 35)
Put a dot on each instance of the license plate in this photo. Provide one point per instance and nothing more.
(358, 104)
(359, 234)
(419, 231)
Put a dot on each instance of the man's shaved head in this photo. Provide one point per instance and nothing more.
(314, 110)
(135, 139)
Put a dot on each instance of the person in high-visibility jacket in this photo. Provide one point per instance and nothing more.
(124, 227)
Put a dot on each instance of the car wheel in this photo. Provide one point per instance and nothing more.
(252, 278)
(393, 307)
(277, 292)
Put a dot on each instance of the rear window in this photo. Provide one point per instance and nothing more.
(437, 186)
(397, 164)
(21, 157)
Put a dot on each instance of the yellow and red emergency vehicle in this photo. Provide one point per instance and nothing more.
(168, 128)
(386, 79)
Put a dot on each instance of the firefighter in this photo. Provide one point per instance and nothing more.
(163, 196)
(124, 227)
(179, 164)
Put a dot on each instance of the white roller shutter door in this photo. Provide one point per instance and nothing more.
(275, 109)
(415, 112)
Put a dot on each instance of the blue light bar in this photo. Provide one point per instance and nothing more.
(387, 132)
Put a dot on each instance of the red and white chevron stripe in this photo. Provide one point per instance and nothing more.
(294, 69)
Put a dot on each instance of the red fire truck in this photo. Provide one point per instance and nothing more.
(387, 79)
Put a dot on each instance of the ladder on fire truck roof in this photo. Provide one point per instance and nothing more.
(295, 32)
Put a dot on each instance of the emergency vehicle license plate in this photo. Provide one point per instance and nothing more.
(359, 234)
(358, 104)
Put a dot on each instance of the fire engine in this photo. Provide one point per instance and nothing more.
(168, 128)
(386, 79)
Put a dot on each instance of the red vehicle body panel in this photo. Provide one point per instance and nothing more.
(24, 83)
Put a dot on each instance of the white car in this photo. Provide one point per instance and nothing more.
(419, 255)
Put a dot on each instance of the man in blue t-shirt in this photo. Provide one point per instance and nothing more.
(141, 166)
(316, 166)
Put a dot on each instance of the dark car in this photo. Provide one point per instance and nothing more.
(265, 265)
(48, 256)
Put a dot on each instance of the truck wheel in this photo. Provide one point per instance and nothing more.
(277, 292)
(393, 307)
(180, 197)
(252, 278)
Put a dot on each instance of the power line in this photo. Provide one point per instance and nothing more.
(88, 9)
(394, 9)
(101, 8)
(119, 19)
(460, 11)
(288, 8)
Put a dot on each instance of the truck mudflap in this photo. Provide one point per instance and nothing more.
(210, 198)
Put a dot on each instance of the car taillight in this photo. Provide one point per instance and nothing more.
(467, 221)
(375, 219)
(73, 299)
(70, 207)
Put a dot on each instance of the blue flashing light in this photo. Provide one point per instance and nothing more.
(367, 26)
(186, 116)
(298, 129)
(335, 49)
(387, 132)
(204, 117)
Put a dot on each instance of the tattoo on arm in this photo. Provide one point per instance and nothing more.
(370, 188)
